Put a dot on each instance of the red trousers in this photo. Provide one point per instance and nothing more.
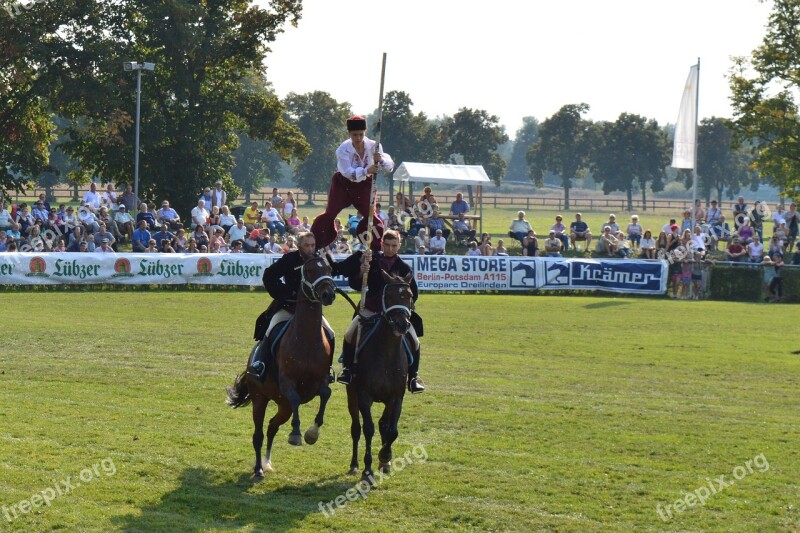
(342, 194)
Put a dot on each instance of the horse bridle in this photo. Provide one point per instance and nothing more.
(397, 307)
(307, 286)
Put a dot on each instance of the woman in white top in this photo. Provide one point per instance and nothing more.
(635, 231)
(648, 245)
(226, 220)
(755, 249)
(5, 217)
(288, 205)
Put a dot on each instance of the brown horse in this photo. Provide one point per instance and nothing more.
(303, 358)
(382, 375)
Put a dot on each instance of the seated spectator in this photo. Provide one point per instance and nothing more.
(579, 231)
(147, 216)
(719, 231)
(782, 231)
(485, 246)
(519, 227)
(90, 242)
(699, 241)
(4, 240)
(200, 215)
(13, 234)
(253, 243)
(163, 233)
(88, 219)
(290, 245)
(169, 216)
(648, 245)
(463, 232)
(108, 198)
(611, 223)
(39, 213)
(83, 247)
(273, 219)
(459, 206)
(105, 217)
(212, 223)
(421, 240)
(553, 245)
(34, 242)
(393, 222)
(140, 237)
(124, 222)
(200, 237)
(775, 247)
(436, 222)
(293, 223)
(473, 249)
(674, 235)
(380, 213)
(181, 243)
(252, 217)
(713, 213)
(699, 213)
(745, 232)
(403, 203)
(239, 231)
(621, 246)
(415, 225)
(103, 233)
(152, 247)
(192, 247)
(217, 242)
(635, 232)
(306, 225)
(736, 251)
(104, 248)
(530, 245)
(226, 220)
(276, 199)
(208, 200)
(438, 243)
(757, 219)
(352, 224)
(272, 247)
(427, 202)
(686, 222)
(60, 246)
(607, 242)
(500, 249)
(237, 247)
(166, 247)
(561, 232)
(668, 226)
(5, 217)
(755, 250)
(54, 222)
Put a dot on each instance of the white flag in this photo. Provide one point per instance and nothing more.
(685, 138)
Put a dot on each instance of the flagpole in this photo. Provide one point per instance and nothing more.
(696, 129)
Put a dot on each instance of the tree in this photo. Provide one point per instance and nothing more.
(476, 135)
(765, 106)
(526, 136)
(255, 164)
(406, 136)
(321, 119)
(721, 166)
(194, 103)
(563, 147)
(630, 152)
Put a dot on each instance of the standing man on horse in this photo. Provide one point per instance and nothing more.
(354, 268)
(358, 161)
(283, 281)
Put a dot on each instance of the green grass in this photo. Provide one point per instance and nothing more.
(543, 413)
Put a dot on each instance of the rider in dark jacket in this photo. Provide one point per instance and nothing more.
(354, 267)
(282, 280)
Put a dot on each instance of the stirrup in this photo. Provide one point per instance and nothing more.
(346, 377)
(256, 370)
(415, 385)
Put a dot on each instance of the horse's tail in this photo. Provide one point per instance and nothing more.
(238, 395)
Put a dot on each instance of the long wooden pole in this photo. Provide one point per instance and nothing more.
(373, 192)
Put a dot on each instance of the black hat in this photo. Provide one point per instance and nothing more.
(356, 123)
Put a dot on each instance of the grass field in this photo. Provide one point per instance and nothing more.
(544, 413)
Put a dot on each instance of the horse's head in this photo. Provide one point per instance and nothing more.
(397, 302)
(317, 284)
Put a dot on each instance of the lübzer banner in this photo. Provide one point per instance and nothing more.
(431, 272)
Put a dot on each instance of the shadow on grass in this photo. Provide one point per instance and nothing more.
(600, 305)
(200, 504)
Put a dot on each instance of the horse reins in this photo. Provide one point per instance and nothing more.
(312, 286)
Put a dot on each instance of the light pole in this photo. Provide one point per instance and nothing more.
(138, 67)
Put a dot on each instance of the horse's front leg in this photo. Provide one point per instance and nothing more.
(355, 427)
(389, 432)
(312, 434)
(291, 395)
(283, 414)
(365, 408)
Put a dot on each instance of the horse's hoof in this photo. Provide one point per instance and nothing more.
(312, 434)
(295, 440)
(268, 467)
(258, 476)
(368, 478)
(385, 468)
(353, 471)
